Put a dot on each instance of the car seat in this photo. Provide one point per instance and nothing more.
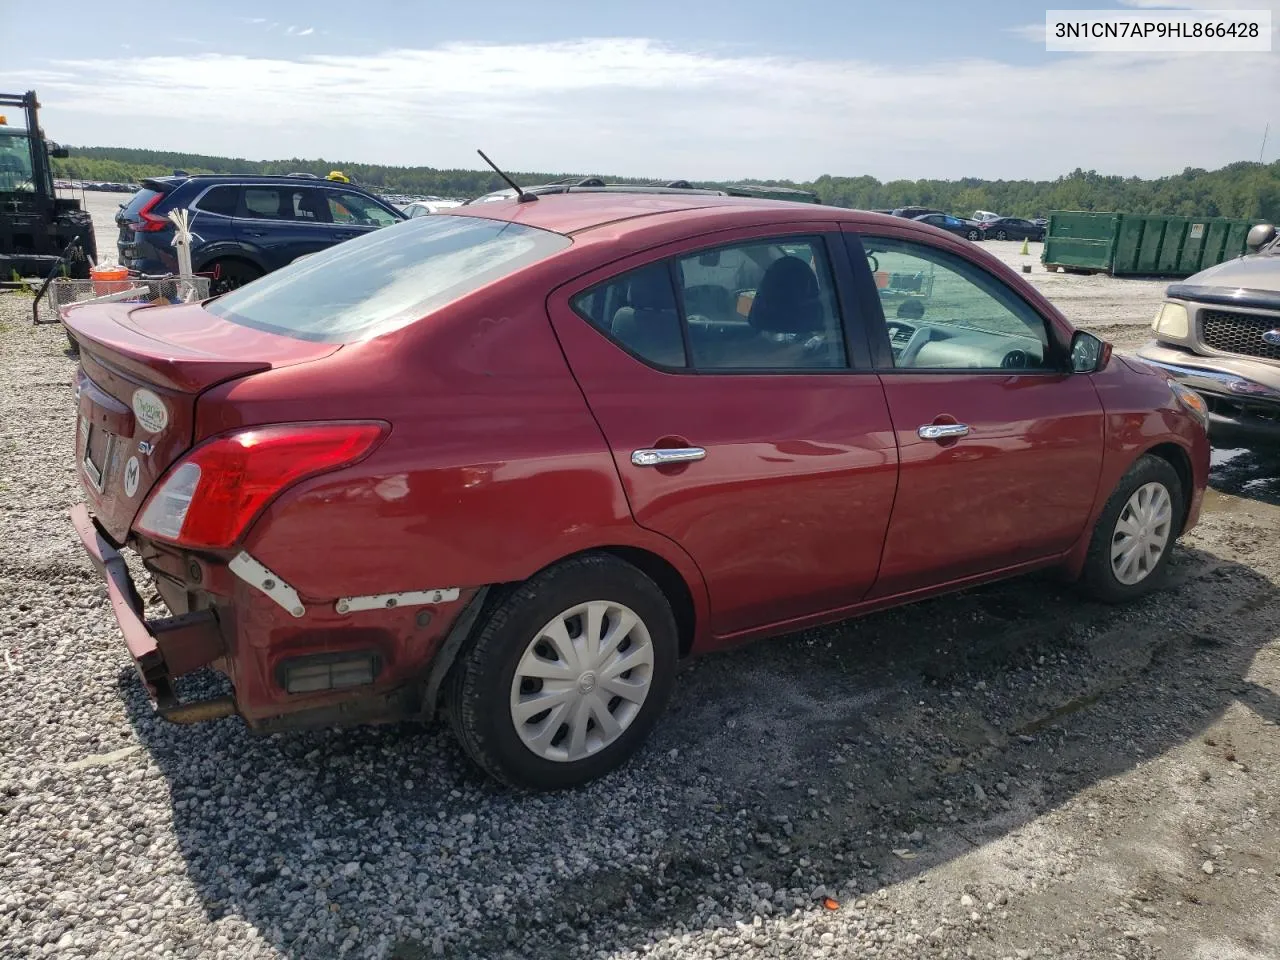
(649, 325)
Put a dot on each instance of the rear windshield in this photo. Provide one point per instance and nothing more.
(140, 200)
(385, 279)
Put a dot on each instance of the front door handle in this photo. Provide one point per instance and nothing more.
(660, 457)
(942, 431)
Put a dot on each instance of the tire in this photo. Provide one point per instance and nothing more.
(972, 235)
(1001, 235)
(231, 274)
(487, 684)
(1101, 578)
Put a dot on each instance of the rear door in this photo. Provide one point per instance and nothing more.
(281, 223)
(1000, 445)
(743, 420)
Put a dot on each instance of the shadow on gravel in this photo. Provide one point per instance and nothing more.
(829, 762)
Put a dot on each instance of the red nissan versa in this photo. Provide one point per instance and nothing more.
(516, 460)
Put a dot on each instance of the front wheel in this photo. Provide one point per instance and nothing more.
(1132, 542)
(1001, 235)
(567, 676)
(972, 234)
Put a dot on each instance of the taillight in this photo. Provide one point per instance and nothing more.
(149, 222)
(212, 495)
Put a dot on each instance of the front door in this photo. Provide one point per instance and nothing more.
(741, 427)
(1000, 447)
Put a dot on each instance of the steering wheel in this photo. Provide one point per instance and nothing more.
(875, 264)
(1016, 360)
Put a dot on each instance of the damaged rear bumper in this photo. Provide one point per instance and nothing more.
(161, 649)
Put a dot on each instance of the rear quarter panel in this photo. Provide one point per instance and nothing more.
(494, 467)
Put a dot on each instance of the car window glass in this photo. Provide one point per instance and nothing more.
(762, 305)
(385, 279)
(351, 208)
(307, 204)
(943, 312)
(264, 203)
(638, 310)
(221, 200)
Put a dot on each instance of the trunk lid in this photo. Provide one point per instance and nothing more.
(142, 370)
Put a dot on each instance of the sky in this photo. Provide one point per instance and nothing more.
(897, 89)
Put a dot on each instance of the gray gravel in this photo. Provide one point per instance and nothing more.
(1005, 773)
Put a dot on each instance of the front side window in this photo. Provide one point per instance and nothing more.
(15, 163)
(351, 208)
(385, 279)
(943, 312)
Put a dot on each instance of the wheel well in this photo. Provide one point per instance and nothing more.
(1177, 458)
(229, 257)
(669, 582)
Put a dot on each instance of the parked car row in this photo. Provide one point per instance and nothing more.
(999, 228)
(515, 460)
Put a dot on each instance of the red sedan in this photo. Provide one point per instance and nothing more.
(517, 460)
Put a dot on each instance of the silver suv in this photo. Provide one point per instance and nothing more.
(1218, 332)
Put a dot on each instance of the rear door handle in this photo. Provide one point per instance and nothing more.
(651, 457)
(255, 233)
(343, 236)
(942, 431)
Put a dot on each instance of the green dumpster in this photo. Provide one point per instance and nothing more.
(1077, 239)
(1127, 244)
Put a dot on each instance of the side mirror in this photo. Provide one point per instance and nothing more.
(1259, 236)
(57, 152)
(1088, 353)
(709, 259)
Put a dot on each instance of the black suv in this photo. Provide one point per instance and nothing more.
(244, 227)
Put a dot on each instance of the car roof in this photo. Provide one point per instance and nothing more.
(574, 213)
(212, 178)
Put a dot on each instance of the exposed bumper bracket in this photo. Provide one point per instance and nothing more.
(409, 598)
(161, 649)
(256, 575)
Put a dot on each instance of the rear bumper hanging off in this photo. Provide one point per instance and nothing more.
(161, 649)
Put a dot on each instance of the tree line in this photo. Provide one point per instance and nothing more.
(1241, 189)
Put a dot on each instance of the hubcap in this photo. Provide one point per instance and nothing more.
(582, 681)
(1142, 533)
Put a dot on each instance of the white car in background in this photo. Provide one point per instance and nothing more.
(421, 208)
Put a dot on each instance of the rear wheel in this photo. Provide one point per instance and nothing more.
(972, 234)
(1129, 554)
(229, 274)
(568, 675)
(1001, 235)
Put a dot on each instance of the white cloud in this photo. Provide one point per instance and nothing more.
(307, 32)
(1029, 31)
(635, 106)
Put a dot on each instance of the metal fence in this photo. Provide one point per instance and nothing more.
(157, 291)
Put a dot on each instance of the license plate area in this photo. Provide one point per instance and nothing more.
(97, 444)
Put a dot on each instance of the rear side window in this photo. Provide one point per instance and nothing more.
(221, 200)
(385, 279)
(638, 309)
(266, 203)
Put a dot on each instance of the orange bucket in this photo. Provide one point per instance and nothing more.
(882, 279)
(109, 280)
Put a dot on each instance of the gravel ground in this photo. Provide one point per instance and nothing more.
(1010, 772)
